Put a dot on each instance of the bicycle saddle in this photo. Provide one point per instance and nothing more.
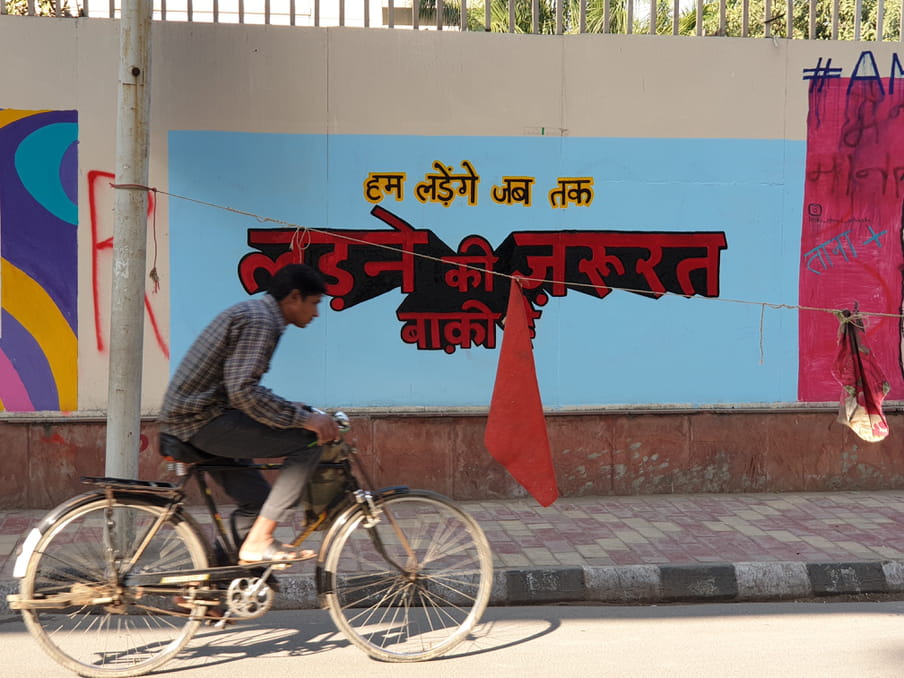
(173, 448)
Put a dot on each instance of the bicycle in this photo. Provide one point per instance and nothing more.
(405, 574)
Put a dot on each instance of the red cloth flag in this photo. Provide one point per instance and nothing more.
(864, 385)
(516, 430)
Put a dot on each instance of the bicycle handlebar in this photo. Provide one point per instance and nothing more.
(341, 419)
(343, 422)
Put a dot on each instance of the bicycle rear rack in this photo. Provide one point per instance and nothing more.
(155, 486)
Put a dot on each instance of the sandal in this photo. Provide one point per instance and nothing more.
(275, 553)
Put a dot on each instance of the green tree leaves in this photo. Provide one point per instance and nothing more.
(42, 8)
(740, 19)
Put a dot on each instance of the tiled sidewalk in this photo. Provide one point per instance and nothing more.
(696, 529)
(600, 533)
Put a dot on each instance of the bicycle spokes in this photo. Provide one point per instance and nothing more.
(414, 585)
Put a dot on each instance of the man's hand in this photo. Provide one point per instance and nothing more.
(323, 425)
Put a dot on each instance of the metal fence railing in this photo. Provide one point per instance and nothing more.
(876, 20)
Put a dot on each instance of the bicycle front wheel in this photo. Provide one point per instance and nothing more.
(412, 586)
(101, 629)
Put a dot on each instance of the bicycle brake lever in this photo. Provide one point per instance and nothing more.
(341, 418)
(343, 422)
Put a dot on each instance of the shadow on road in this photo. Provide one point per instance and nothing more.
(312, 633)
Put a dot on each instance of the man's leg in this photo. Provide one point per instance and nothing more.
(291, 481)
(249, 489)
(237, 436)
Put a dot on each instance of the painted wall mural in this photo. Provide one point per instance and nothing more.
(38, 260)
(453, 298)
(636, 245)
(658, 270)
(851, 252)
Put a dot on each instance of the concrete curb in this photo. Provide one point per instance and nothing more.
(647, 584)
(642, 584)
(7, 585)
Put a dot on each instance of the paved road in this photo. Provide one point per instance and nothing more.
(755, 640)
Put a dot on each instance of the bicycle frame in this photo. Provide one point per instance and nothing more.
(343, 501)
(170, 496)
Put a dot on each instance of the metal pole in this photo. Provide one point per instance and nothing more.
(129, 241)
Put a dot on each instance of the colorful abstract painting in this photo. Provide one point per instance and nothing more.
(38, 260)
(851, 236)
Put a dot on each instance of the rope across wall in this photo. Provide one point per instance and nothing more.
(299, 239)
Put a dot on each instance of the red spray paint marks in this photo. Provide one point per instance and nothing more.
(100, 197)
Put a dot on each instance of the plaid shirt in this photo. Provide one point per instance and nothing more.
(223, 368)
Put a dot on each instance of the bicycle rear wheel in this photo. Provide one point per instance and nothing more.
(107, 631)
(413, 586)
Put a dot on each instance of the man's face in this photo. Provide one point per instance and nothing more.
(298, 310)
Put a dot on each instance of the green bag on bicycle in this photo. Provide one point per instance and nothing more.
(326, 483)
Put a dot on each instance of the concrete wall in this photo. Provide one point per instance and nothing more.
(756, 142)
(602, 454)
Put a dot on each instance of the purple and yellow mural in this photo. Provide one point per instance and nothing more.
(39, 264)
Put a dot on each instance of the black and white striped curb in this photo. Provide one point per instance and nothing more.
(643, 584)
(755, 581)
(648, 584)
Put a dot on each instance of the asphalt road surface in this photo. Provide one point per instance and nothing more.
(799, 640)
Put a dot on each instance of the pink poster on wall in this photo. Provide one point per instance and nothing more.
(851, 252)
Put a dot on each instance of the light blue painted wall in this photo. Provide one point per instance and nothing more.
(624, 349)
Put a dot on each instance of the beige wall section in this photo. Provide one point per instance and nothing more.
(37, 79)
(238, 78)
(370, 81)
(664, 86)
(402, 82)
(98, 57)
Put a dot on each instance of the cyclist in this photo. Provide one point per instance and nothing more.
(216, 404)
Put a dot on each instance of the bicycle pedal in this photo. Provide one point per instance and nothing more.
(276, 564)
(269, 578)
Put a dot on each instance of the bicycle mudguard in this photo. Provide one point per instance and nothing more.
(52, 516)
(340, 520)
(343, 517)
(153, 486)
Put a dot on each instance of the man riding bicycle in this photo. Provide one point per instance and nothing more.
(216, 404)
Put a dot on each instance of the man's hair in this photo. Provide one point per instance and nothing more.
(299, 277)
